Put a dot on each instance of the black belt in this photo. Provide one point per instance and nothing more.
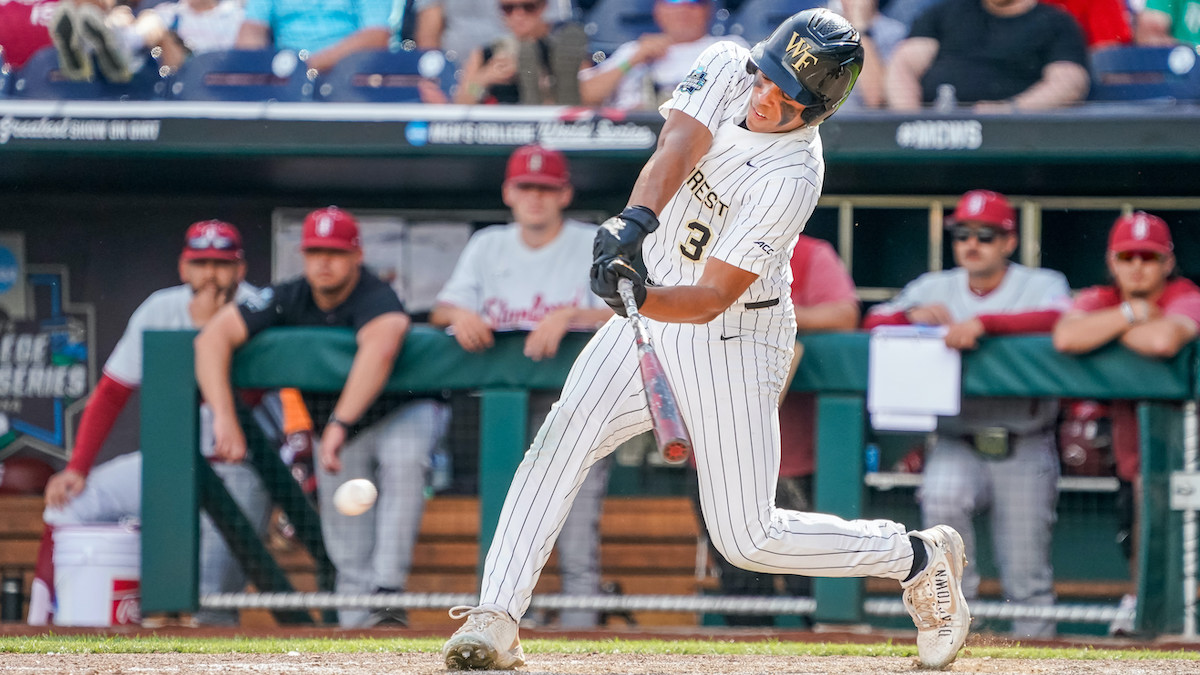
(762, 304)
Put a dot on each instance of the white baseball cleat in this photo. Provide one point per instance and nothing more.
(934, 598)
(487, 641)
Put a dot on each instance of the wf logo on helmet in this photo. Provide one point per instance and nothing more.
(799, 49)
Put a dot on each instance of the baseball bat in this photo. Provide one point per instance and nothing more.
(674, 443)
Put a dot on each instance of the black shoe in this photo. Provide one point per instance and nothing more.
(394, 617)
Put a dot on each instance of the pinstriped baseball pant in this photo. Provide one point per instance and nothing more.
(728, 392)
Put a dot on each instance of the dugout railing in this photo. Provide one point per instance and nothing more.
(175, 477)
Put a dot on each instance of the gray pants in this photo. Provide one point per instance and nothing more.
(374, 550)
(1021, 495)
(114, 492)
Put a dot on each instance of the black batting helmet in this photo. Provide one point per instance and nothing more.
(814, 57)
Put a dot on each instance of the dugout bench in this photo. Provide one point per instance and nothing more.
(834, 367)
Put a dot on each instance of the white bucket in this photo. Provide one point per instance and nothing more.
(97, 575)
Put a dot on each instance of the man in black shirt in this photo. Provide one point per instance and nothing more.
(373, 551)
(998, 55)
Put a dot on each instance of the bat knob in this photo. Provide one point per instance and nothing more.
(675, 452)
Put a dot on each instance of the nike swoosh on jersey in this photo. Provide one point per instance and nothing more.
(729, 337)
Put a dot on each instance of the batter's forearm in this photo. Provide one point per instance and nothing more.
(684, 304)
(681, 144)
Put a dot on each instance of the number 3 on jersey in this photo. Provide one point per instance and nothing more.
(700, 235)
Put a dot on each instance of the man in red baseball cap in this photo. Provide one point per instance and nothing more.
(531, 275)
(372, 552)
(1150, 310)
(999, 454)
(212, 268)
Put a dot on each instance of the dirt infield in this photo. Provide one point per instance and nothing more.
(424, 664)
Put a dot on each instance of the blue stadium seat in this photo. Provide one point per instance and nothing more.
(5, 75)
(611, 23)
(243, 75)
(40, 78)
(754, 20)
(1145, 73)
(381, 76)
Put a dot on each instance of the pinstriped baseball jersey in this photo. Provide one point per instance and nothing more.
(744, 203)
(748, 198)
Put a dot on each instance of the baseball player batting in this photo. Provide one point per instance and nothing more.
(736, 174)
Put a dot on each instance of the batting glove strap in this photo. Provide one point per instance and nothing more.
(605, 275)
(622, 235)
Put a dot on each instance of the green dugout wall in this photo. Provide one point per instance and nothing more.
(834, 366)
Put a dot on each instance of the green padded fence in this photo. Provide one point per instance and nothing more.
(834, 366)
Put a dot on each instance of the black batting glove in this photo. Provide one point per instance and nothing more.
(606, 273)
(622, 235)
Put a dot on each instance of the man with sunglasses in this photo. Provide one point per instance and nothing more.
(1151, 310)
(531, 275)
(212, 268)
(998, 455)
(736, 174)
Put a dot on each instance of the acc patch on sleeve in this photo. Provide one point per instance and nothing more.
(694, 82)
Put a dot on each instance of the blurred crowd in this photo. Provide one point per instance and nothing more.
(990, 55)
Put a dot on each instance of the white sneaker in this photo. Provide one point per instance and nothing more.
(934, 598)
(487, 641)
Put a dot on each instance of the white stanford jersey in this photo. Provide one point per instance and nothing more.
(166, 309)
(1023, 289)
(748, 198)
(514, 287)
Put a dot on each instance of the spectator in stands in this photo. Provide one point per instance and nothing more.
(1168, 22)
(998, 455)
(24, 29)
(879, 34)
(327, 30)
(212, 268)
(906, 11)
(1105, 23)
(531, 275)
(373, 551)
(825, 300)
(643, 73)
(998, 55)
(537, 64)
(1149, 309)
(187, 27)
(457, 27)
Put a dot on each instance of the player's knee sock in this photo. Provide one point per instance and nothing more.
(920, 557)
(41, 595)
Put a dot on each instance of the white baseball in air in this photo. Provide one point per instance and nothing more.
(355, 496)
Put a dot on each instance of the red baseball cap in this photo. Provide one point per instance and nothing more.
(985, 206)
(212, 240)
(330, 227)
(535, 164)
(1140, 231)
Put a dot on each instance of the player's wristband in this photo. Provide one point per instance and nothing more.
(333, 420)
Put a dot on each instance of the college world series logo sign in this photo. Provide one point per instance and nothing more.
(46, 365)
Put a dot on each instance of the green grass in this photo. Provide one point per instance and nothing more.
(115, 644)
